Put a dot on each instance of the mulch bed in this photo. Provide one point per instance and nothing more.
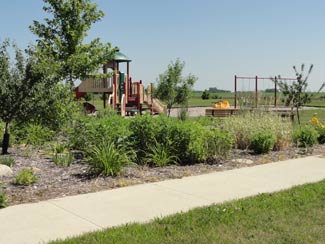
(55, 181)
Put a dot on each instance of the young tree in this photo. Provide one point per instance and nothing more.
(28, 94)
(61, 38)
(172, 87)
(295, 94)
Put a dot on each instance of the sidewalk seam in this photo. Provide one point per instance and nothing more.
(76, 215)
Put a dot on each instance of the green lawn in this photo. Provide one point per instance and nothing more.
(292, 216)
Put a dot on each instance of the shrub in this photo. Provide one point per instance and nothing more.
(205, 95)
(107, 159)
(159, 155)
(63, 159)
(7, 160)
(88, 132)
(3, 200)
(305, 136)
(25, 177)
(219, 143)
(320, 128)
(262, 142)
(33, 134)
(244, 126)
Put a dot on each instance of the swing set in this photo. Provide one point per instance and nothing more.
(255, 95)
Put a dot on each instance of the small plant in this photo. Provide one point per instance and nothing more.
(3, 200)
(25, 177)
(305, 136)
(107, 159)
(262, 142)
(320, 128)
(63, 159)
(159, 155)
(7, 160)
(59, 147)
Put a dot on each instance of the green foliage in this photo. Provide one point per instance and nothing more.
(32, 134)
(3, 200)
(305, 136)
(159, 155)
(243, 127)
(88, 96)
(219, 143)
(262, 142)
(25, 177)
(63, 159)
(108, 159)
(7, 160)
(61, 39)
(172, 88)
(87, 132)
(205, 95)
(295, 94)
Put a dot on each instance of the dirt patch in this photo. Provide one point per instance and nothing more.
(55, 181)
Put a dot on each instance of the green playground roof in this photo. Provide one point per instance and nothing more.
(120, 57)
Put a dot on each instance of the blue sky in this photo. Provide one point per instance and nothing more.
(216, 38)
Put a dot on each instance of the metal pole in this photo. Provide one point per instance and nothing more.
(275, 91)
(235, 86)
(256, 91)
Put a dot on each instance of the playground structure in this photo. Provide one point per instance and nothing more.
(124, 95)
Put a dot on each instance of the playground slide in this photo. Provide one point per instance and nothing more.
(158, 106)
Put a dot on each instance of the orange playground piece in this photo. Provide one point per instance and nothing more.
(222, 104)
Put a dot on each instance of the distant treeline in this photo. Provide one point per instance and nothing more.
(215, 90)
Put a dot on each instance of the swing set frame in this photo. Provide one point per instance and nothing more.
(257, 79)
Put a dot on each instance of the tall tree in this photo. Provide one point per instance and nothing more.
(62, 35)
(172, 87)
(296, 94)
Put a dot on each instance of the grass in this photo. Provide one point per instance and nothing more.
(292, 216)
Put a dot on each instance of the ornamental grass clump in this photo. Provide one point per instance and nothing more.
(108, 159)
(25, 177)
(244, 127)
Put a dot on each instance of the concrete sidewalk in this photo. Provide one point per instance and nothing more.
(60, 218)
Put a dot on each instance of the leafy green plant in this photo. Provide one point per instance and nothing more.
(25, 177)
(305, 136)
(32, 134)
(59, 148)
(3, 200)
(262, 142)
(159, 155)
(219, 143)
(63, 159)
(107, 159)
(7, 160)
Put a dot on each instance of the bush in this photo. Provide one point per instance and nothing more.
(7, 160)
(32, 134)
(87, 132)
(262, 142)
(107, 159)
(205, 95)
(3, 200)
(219, 143)
(305, 136)
(25, 177)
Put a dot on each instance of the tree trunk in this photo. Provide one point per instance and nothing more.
(5, 142)
(298, 115)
